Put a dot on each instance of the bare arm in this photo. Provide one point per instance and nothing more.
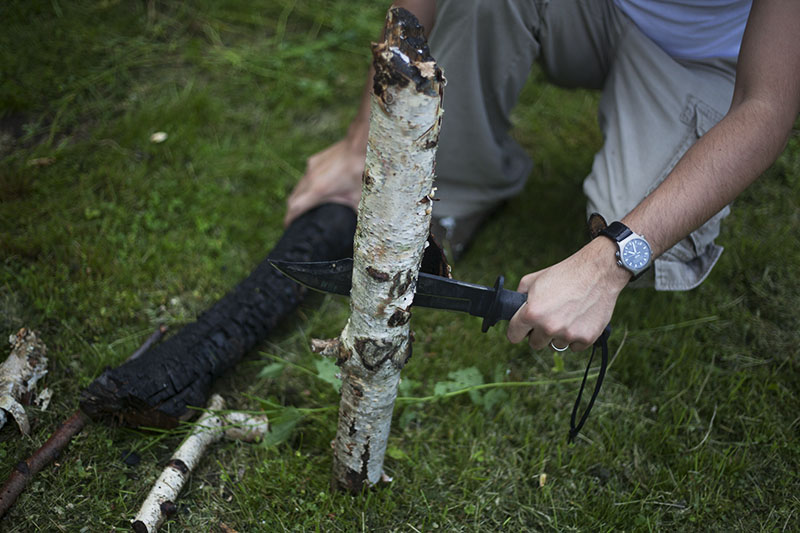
(334, 174)
(572, 301)
(766, 100)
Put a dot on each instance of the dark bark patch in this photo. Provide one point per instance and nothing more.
(168, 508)
(353, 480)
(373, 353)
(358, 391)
(405, 34)
(401, 358)
(399, 318)
(400, 283)
(367, 179)
(23, 468)
(377, 275)
(434, 260)
(179, 465)
(343, 355)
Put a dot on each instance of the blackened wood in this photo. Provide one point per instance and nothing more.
(156, 388)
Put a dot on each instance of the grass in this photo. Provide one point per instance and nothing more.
(104, 235)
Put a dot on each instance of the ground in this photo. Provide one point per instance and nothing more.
(105, 234)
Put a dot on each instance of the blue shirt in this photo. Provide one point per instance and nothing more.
(691, 29)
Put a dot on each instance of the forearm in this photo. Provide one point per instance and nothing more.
(712, 173)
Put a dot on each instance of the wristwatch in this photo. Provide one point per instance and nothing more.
(633, 251)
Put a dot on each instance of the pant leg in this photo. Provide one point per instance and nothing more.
(486, 49)
(653, 108)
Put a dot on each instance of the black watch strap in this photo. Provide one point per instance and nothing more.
(616, 231)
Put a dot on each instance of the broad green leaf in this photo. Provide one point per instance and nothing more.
(407, 416)
(396, 453)
(461, 379)
(328, 372)
(281, 427)
(407, 386)
(272, 370)
(493, 397)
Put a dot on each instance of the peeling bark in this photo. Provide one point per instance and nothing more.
(25, 365)
(393, 225)
(209, 428)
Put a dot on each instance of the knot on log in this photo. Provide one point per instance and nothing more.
(331, 348)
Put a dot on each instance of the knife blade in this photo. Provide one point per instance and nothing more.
(437, 292)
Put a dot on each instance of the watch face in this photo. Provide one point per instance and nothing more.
(636, 254)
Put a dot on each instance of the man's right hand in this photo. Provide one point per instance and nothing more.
(332, 175)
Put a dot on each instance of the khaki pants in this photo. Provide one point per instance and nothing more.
(652, 109)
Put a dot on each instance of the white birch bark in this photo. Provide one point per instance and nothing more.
(25, 365)
(209, 428)
(393, 224)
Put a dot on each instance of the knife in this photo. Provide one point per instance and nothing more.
(437, 292)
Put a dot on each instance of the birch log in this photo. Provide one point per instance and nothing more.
(393, 224)
(210, 427)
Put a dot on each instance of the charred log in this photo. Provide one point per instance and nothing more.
(156, 388)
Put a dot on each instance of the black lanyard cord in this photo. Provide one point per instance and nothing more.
(602, 342)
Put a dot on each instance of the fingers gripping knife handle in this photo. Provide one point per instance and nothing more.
(505, 304)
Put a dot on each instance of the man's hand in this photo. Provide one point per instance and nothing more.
(332, 175)
(570, 303)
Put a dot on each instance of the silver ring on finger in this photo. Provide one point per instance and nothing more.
(556, 348)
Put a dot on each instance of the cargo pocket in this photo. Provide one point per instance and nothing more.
(688, 263)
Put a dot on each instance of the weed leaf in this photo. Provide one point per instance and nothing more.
(493, 397)
(282, 426)
(461, 379)
(328, 372)
(396, 453)
(272, 370)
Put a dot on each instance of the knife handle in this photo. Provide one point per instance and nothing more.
(505, 304)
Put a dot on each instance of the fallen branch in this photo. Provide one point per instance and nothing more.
(210, 427)
(25, 470)
(25, 365)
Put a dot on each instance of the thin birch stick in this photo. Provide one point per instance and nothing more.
(393, 225)
(209, 428)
